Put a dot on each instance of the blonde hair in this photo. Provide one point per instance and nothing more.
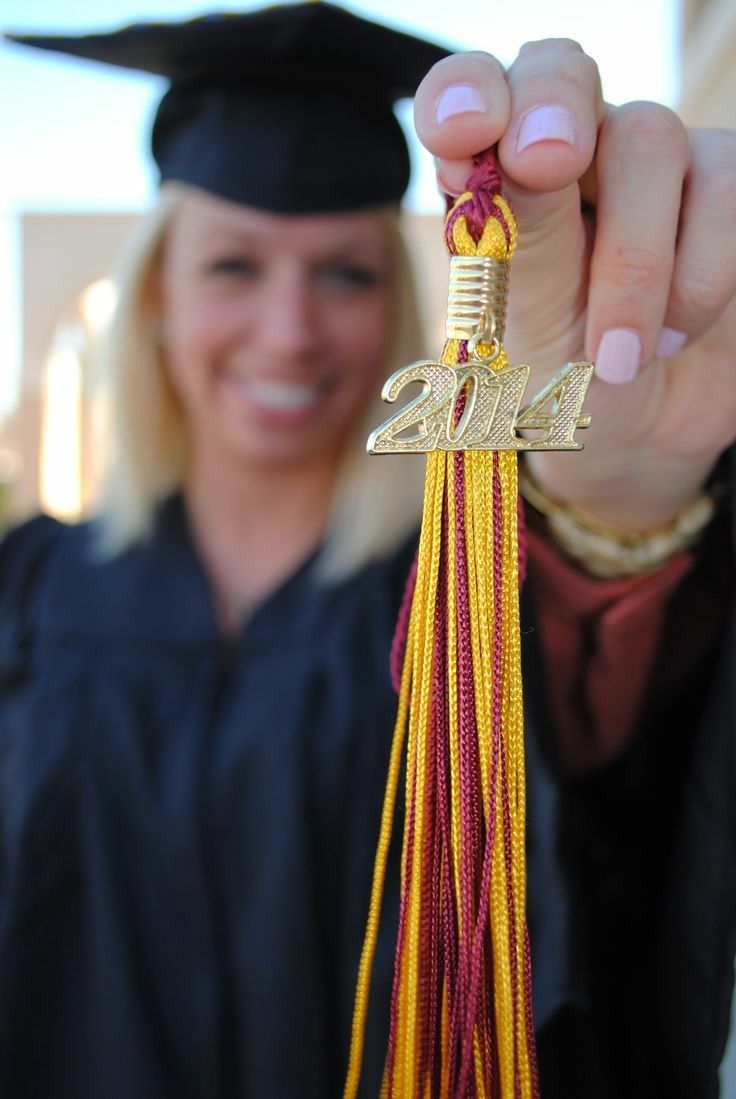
(377, 501)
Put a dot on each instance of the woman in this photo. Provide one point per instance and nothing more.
(196, 712)
(229, 623)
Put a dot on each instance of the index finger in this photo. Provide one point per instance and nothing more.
(544, 113)
(470, 89)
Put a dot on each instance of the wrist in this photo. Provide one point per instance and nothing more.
(638, 496)
(610, 551)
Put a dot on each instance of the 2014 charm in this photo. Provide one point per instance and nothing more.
(492, 415)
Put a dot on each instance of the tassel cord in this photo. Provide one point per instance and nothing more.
(460, 1022)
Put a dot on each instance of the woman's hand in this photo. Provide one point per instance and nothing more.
(627, 256)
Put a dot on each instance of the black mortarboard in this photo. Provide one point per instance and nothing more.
(287, 108)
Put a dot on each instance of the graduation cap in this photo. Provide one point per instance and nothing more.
(287, 108)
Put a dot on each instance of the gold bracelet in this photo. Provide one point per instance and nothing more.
(611, 552)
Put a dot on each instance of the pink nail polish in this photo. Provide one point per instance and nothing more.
(459, 99)
(446, 187)
(619, 356)
(552, 123)
(670, 343)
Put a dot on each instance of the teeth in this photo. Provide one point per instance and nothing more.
(282, 396)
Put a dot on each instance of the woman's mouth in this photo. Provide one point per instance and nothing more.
(278, 399)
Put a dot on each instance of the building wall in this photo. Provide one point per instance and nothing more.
(708, 59)
(61, 255)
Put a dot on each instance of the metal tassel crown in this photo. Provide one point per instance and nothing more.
(477, 297)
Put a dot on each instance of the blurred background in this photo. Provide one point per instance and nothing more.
(76, 175)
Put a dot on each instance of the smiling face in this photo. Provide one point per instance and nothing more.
(276, 328)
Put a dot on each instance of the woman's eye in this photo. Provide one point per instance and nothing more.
(233, 266)
(350, 276)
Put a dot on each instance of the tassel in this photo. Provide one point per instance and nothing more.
(461, 1022)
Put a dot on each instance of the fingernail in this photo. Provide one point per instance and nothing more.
(459, 99)
(619, 356)
(551, 123)
(445, 186)
(670, 343)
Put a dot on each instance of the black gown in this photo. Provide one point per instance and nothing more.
(188, 829)
(189, 823)
(649, 842)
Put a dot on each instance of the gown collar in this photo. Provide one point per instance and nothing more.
(157, 591)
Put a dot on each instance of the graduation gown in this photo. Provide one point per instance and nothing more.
(649, 842)
(188, 822)
(188, 828)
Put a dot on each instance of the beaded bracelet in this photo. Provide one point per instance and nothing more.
(608, 551)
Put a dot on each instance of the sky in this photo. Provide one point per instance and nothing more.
(74, 134)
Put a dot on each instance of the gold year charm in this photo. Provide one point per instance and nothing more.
(492, 416)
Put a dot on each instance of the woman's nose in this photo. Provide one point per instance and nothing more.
(287, 317)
